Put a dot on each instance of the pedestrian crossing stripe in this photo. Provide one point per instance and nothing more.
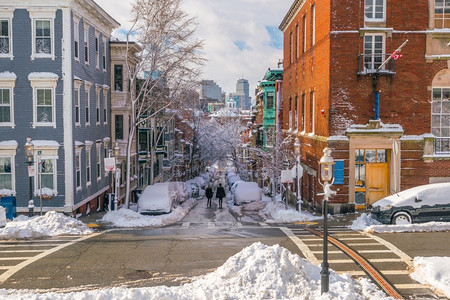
(306, 223)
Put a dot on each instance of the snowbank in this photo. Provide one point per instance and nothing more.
(434, 271)
(278, 214)
(257, 272)
(129, 218)
(50, 224)
(367, 224)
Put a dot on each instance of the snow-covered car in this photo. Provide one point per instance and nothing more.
(193, 187)
(156, 199)
(234, 186)
(423, 203)
(181, 189)
(201, 182)
(247, 192)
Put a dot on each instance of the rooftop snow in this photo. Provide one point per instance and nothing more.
(7, 75)
(42, 75)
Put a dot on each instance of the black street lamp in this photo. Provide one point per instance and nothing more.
(326, 164)
(29, 153)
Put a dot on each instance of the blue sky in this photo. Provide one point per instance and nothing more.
(241, 36)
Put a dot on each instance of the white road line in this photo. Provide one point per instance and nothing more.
(15, 258)
(25, 245)
(263, 224)
(347, 234)
(341, 261)
(312, 239)
(374, 251)
(4, 267)
(186, 224)
(302, 246)
(385, 272)
(35, 241)
(363, 244)
(355, 239)
(16, 268)
(405, 257)
(380, 260)
(408, 286)
(329, 252)
(20, 251)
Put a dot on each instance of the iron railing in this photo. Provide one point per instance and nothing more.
(442, 145)
(369, 63)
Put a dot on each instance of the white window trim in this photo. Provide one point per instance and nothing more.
(305, 38)
(8, 15)
(383, 19)
(41, 14)
(77, 85)
(88, 162)
(86, 44)
(105, 104)
(49, 151)
(10, 151)
(97, 50)
(9, 82)
(313, 25)
(104, 54)
(78, 153)
(76, 38)
(98, 161)
(87, 102)
(383, 50)
(47, 81)
(98, 113)
(312, 95)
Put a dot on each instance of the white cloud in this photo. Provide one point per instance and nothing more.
(221, 24)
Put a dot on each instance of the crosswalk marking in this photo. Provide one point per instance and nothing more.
(20, 251)
(407, 286)
(186, 224)
(15, 258)
(385, 272)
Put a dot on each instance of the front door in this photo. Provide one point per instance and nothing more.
(377, 183)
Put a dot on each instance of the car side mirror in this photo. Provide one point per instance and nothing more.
(417, 200)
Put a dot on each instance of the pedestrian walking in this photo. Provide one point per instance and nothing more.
(209, 195)
(220, 193)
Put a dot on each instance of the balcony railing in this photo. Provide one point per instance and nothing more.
(442, 145)
(369, 63)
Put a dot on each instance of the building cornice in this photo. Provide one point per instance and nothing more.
(293, 11)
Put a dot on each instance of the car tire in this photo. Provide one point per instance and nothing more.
(401, 218)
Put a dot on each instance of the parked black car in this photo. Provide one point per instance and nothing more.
(420, 204)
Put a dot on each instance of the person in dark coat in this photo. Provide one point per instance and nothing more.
(220, 193)
(209, 195)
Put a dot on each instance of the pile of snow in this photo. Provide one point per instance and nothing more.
(367, 224)
(50, 224)
(434, 271)
(129, 218)
(257, 272)
(363, 221)
(277, 213)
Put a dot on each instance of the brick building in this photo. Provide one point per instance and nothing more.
(333, 74)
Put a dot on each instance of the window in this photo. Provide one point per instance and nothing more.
(88, 167)
(374, 10)
(269, 102)
(6, 174)
(97, 105)
(104, 55)
(269, 137)
(99, 160)
(44, 106)
(119, 127)
(313, 25)
(312, 113)
(87, 102)
(440, 119)
(297, 40)
(296, 112)
(76, 41)
(442, 14)
(291, 47)
(5, 106)
(290, 113)
(78, 169)
(47, 166)
(304, 33)
(44, 85)
(118, 78)
(373, 51)
(48, 173)
(105, 106)
(96, 53)
(43, 42)
(86, 45)
(303, 112)
(5, 38)
(77, 106)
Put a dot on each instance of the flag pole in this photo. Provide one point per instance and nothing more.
(390, 56)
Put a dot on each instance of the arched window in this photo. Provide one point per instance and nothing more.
(440, 111)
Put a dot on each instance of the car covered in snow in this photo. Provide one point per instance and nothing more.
(247, 192)
(193, 188)
(420, 204)
(158, 198)
(181, 189)
(233, 179)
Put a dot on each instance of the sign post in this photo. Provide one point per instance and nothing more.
(110, 166)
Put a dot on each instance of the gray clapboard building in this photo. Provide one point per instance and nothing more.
(55, 88)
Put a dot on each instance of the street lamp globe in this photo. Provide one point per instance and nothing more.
(29, 149)
(326, 165)
(116, 150)
(297, 146)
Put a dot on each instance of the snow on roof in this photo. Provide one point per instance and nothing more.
(11, 143)
(337, 138)
(6, 192)
(45, 143)
(7, 75)
(358, 128)
(77, 78)
(42, 75)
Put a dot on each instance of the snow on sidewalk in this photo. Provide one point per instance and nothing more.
(257, 272)
(50, 224)
(434, 271)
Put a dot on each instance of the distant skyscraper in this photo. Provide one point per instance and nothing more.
(242, 89)
(211, 91)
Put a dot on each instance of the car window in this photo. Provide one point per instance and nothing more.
(435, 195)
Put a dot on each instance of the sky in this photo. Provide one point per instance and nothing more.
(241, 37)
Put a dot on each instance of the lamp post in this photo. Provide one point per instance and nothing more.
(29, 153)
(117, 175)
(297, 170)
(326, 164)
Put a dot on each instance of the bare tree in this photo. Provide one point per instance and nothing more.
(169, 62)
